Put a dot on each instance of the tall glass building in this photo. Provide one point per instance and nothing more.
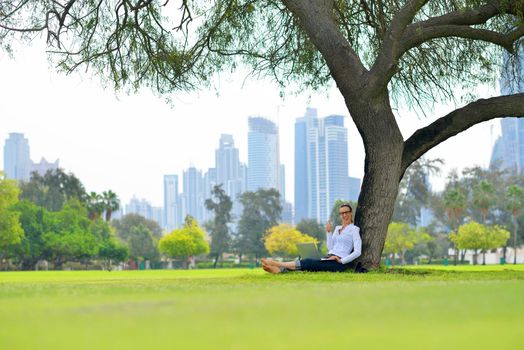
(508, 151)
(321, 165)
(194, 194)
(264, 169)
(171, 200)
(17, 163)
(229, 171)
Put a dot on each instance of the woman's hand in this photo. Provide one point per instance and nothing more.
(336, 258)
(329, 227)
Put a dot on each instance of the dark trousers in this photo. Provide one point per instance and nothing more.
(315, 265)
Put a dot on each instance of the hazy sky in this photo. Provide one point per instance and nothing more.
(127, 143)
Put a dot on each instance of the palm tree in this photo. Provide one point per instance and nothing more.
(483, 199)
(111, 203)
(455, 204)
(515, 199)
(95, 205)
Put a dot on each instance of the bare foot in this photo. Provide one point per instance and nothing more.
(269, 262)
(271, 268)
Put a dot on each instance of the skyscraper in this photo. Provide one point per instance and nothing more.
(229, 171)
(194, 194)
(336, 167)
(508, 150)
(17, 163)
(171, 209)
(321, 165)
(301, 163)
(263, 155)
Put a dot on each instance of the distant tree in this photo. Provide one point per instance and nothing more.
(142, 244)
(313, 228)
(479, 238)
(282, 239)
(414, 190)
(52, 190)
(111, 251)
(70, 237)
(455, 205)
(35, 221)
(185, 242)
(401, 238)
(484, 198)
(11, 232)
(438, 246)
(218, 228)
(95, 205)
(124, 225)
(261, 210)
(515, 201)
(111, 203)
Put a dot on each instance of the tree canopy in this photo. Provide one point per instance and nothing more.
(10, 230)
(178, 45)
(478, 237)
(184, 242)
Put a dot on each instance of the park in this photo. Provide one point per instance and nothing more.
(384, 57)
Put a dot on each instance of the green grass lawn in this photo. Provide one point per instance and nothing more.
(443, 307)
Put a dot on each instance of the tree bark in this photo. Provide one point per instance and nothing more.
(384, 147)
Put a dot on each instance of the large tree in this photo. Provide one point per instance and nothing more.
(261, 211)
(53, 189)
(218, 228)
(419, 50)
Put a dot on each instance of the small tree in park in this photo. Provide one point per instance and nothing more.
(479, 238)
(185, 242)
(401, 238)
(282, 240)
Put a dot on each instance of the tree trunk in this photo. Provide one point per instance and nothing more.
(377, 200)
(217, 256)
(515, 241)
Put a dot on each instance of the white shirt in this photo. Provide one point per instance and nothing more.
(346, 244)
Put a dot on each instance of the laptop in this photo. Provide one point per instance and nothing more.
(308, 250)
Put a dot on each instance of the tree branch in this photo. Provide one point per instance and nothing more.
(424, 34)
(384, 66)
(459, 120)
(316, 17)
(403, 36)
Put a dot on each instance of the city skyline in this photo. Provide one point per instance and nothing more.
(127, 143)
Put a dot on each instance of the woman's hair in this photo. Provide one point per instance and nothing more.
(346, 205)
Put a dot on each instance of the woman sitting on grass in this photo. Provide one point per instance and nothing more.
(344, 246)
